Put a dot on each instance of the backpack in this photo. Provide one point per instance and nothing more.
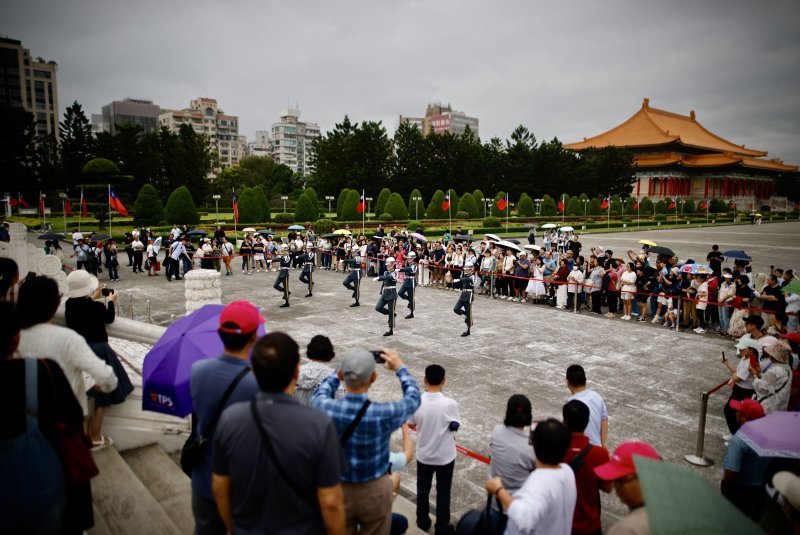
(32, 492)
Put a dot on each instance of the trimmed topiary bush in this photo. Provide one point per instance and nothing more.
(305, 209)
(594, 206)
(386, 217)
(660, 217)
(350, 207)
(413, 225)
(416, 209)
(497, 212)
(180, 207)
(549, 207)
(284, 217)
(491, 222)
(250, 211)
(574, 206)
(383, 198)
(462, 215)
(646, 206)
(340, 200)
(312, 195)
(434, 210)
(263, 203)
(468, 205)
(526, 206)
(661, 208)
(396, 207)
(148, 208)
(324, 226)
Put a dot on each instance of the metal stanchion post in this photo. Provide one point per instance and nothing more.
(491, 285)
(678, 316)
(698, 459)
(130, 305)
(149, 316)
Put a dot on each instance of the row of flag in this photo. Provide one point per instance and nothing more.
(113, 201)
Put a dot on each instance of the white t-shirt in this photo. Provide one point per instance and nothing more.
(597, 413)
(175, 232)
(545, 503)
(436, 444)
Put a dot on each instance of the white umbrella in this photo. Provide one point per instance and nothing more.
(508, 245)
(532, 247)
(567, 229)
(492, 237)
(248, 229)
(549, 225)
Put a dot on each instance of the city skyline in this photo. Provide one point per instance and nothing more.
(563, 71)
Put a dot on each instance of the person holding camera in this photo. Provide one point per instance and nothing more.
(87, 316)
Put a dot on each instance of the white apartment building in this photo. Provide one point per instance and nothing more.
(207, 118)
(291, 141)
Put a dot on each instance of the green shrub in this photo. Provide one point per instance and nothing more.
(462, 215)
(180, 207)
(396, 207)
(324, 226)
(263, 203)
(595, 206)
(646, 206)
(479, 196)
(385, 217)
(418, 208)
(434, 210)
(626, 220)
(350, 207)
(574, 206)
(497, 212)
(453, 202)
(661, 217)
(148, 208)
(413, 225)
(614, 213)
(549, 207)
(305, 209)
(526, 207)
(284, 217)
(312, 195)
(491, 221)
(383, 198)
(467, 205)
(249, 208)
(661, 207)
(688, 207)
(340, 201)
(100, 167)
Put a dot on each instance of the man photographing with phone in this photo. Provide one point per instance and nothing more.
(365, 429)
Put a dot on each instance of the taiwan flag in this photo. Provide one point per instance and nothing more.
(115, 203)
(636, 204)
(672, 205)
(14, 202)
(606, 204)
(22, 201)
(235, 204)
(732, 205)
(502, 204)
(703, 205)
(67, 207)
(446, 201)
(84, 211)
(41, 203)
(561, 205)
(362, 204)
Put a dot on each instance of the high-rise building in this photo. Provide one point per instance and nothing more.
(291, 141)
(206, 118)
(30, 83)
(440, 119)
(260, 147)
(131, 111)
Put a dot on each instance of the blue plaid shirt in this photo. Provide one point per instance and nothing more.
(367, 451)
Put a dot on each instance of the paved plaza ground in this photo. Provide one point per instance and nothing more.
(650, 377)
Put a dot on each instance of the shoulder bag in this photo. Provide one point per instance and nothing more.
(192, 451)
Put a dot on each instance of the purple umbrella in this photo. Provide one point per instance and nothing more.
(775, 435)
(168, 364)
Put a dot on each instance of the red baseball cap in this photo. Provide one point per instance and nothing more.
(793, 336)
(621, 463)
(243, 314)
(749, 407)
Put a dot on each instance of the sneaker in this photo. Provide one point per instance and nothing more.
(641, 320)
(656, 319)
(700, 330)
(634, 314)
(626, 318)
(523, 300)
(514, 299)
(726, 437)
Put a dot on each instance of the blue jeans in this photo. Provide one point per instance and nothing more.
(724, 318)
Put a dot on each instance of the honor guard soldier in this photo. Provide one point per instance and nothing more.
(282, 282)
(388, 298)
(307, 275)
(464, 305)
(409, 283)
(353, 280)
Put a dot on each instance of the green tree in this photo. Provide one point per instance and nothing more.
(594, 206)
(249, 208)
(77, 142)
(396, 207)
(416, 207)
(100, 171)
(497, 212)
(305, 210)
(646, 207)
(340, 200)
(661, 207)
(688, 207)
(479, 196)
(574, 206)
(526, 206)
(629, 206)
(616, 204)
(549, 207)
(434, 210)
(350, 207)
(19, 159)
(148, 208)
(380, 204)
(412, 159)
(312, 195)
(180, 208)
(263, 203)
(467, 204)
(717, 206)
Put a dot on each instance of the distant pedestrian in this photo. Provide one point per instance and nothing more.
(597, 430)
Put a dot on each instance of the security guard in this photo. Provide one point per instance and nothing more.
(464, 305)
(306, 276)
(282, 282)
(353, 280)
(409, 283)
(388, 298)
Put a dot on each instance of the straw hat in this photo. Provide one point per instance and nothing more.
(81, 283)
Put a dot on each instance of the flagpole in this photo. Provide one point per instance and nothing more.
(638, 209)
(80, 217)
(563, 209)
(235, 219)
(109, 209)
(449, 215)
(608, 224)
(363, 211)
(64, 213)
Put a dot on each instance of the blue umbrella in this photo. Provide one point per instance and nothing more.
(737, 254)
(168, 364)
(297, 227)
(197, 232)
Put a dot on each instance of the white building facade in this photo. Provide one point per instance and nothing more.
(291, 141)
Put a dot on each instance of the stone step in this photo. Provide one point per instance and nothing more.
(165, 481)
(122, 502)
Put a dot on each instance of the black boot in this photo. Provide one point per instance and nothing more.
(465, 333)
(285, 305)
(390, 332)
(309, 294)
(410, 316)
(355, 304)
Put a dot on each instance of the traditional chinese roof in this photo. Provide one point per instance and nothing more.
(710, 160)
(650, 127)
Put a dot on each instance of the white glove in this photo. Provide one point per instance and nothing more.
(376, 279)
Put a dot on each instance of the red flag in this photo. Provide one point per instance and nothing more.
(751, 206)
(14, 202)
(362, 205)
(703, 205)
(41, 203)
(446, 201)
(235, 205)
(23, 202)
(84, 211)
(502, 203)
(561, 205)
(636, 205)
(605, 204)
(115, 203)
(67, 207)
(731, 205)
(672, 205)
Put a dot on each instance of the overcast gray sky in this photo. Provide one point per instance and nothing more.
(565, 69)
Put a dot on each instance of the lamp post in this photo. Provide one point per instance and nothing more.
(416, 207)
(284, 198)
(538, 206)
(329, 198)
(585, 204)
(63, 210)
(369, 203)
(216, 204)
(486, 202)
(44, 210)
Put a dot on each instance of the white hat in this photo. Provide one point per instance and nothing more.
(390, 260)
(412, 254)
(81, 283)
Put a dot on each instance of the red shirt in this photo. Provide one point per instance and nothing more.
(586, 518)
